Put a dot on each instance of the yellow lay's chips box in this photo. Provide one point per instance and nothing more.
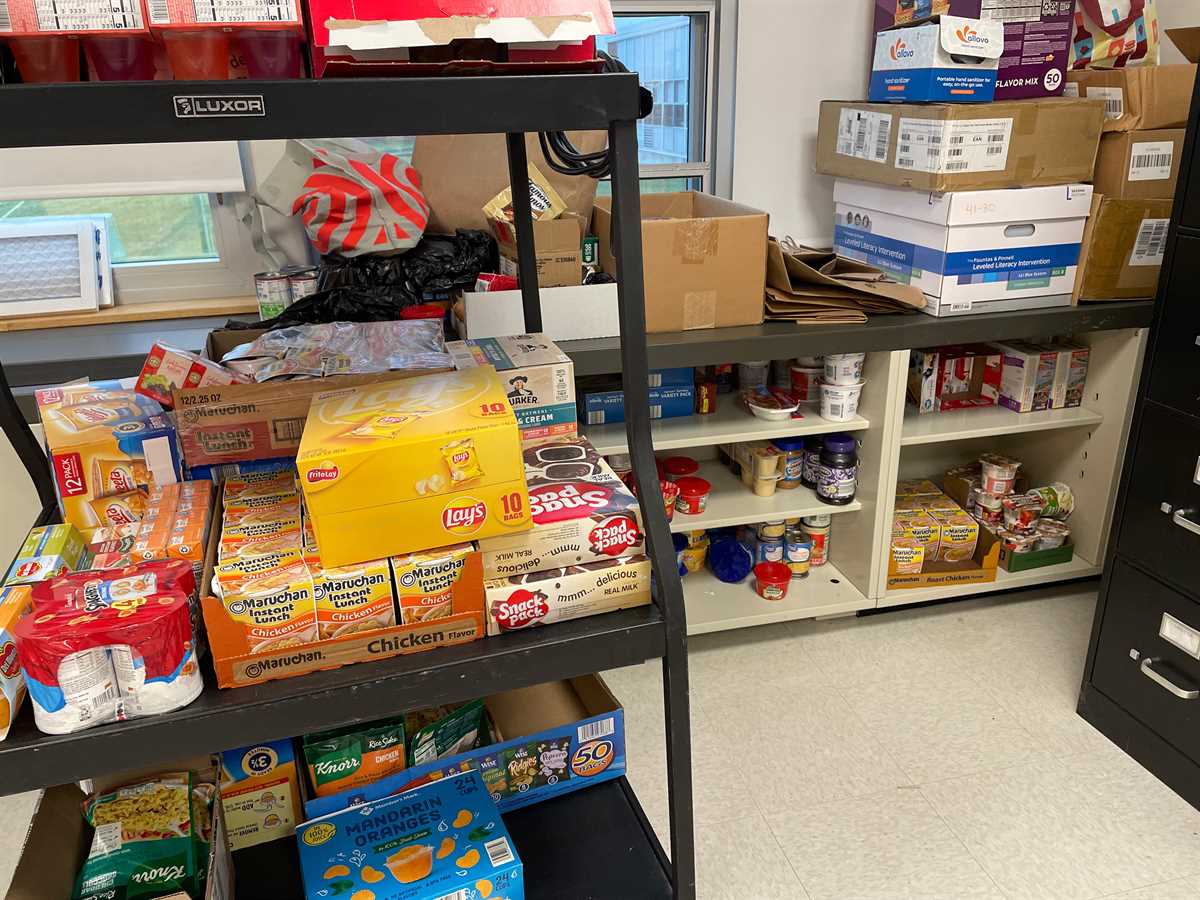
(412, 464)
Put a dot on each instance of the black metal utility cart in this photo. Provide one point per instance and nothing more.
(595, 843)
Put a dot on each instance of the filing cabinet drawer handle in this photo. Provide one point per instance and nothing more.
(1166, 683)
(1180, 518)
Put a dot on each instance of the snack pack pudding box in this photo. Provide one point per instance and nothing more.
(409, 465)
(442, 841)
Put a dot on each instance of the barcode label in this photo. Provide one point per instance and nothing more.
(864, 134)
(159, 13)
(1151, 161)
(5, 18)
(595, 417)
(1113, 97)
(928, 145)
(655, 411)
(1071, 89)
(1151, 243)
(88, 15)
(835, 411)
(499, 853)
(593, 731)
(957, 166)
(289, 430)
(464, 894)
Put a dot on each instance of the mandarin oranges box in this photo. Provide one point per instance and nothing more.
(409, 465)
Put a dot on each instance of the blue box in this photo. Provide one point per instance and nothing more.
(606, 407)
(582, 743)
(948, 60)
(442, 840)
(672, 377)
(218, 472)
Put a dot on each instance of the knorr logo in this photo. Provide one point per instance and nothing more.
(335, 768)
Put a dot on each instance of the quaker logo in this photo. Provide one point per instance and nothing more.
(9, 666)
(520, 609)
(519, 393)
(318, 474)
(614, 536)
(217, 106)
(899, 50)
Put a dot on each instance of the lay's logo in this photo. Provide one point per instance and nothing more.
(464, 515)
(900, 50)
(969, 35)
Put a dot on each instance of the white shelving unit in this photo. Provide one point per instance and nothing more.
(932, 428)
(730, 424)
(732, 503)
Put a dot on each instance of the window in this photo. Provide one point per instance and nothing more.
(671, 45)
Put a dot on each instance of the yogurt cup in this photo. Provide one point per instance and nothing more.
(810, 362)
(1052, 534)
(693, 496)
(839, 402)
(999, 473)
(771, 580)
(844, 368)
(806, 383)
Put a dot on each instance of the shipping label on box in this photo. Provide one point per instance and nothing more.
(582, 512)
(45, 17)
(951, 60)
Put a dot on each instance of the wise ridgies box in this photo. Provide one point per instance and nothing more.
(410, 465)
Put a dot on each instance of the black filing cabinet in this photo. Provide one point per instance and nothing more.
(1141, 684)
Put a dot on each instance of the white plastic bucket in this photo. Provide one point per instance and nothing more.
(844, 368)
(839, 402)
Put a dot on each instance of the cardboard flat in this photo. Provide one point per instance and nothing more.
(704, 260)
(822, 282)
(568, 313)
(1041, 142)
(1139, 165)
(1110, 264)
(1187, 40)
(1138, 97)
(462, 172)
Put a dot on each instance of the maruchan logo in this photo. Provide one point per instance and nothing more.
(900, 50)
(216, 106)
(321, 473)
(465, 515)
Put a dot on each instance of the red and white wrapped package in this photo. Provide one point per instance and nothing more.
(98, 588)
(167, 368)
(85, 668)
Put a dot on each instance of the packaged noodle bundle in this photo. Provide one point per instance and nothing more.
(451, 731)
(146, 842)
(84, 668)
(357, 755)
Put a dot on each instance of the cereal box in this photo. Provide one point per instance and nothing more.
(443, 840)
(48, 551)
(407, 465)
(428, 582)
(538, 378)
(166, 368)
(260, 793)
(15, 601)
(582, 512)
(539, 598)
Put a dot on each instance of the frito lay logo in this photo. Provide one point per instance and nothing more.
(521, 608)
(900, 50)
(9, 666)
(567, 500)
(614, 536)
(464, 515)
(318, 474)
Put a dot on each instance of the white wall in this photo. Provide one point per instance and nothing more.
(791, 55)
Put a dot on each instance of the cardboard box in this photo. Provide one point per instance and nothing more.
(260, 793)
(167, 368)
(413, 464)
(704, 259)
(1187, 40)
(1139, 165)
(1037, 37)
(1123, 249)
(1138, 98)
(1036, 559)
(962, 376)
(557, 595)
(1070, 373)
(1027, 376)
(608, 407)
(57, 844)
(48, 551)
(237, 423)
(236, 666)
(948, 59)
(557, 246)
(568, 313)
(538, 378)
(582, 512)
(1004, 144)
(969, 251)
(980, 569)
(577, 725)
(441, 841)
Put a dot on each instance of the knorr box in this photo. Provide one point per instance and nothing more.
(404, 466)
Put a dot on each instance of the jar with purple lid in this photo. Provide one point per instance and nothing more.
(811, 468)
(837, 479)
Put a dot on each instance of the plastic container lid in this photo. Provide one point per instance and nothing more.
(693, 487)
(422, 311)
(680, 466)
(788, 444)
(839, 443)
(814, 442)
(773, 572)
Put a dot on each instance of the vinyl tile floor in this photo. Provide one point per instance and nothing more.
(927, 753)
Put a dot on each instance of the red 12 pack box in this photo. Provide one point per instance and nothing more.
(582, 512)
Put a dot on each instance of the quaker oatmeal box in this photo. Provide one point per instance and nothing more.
(582, 512)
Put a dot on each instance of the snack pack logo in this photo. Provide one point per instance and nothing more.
(210, 106)
(320, 474)
(520, 609)
(9, 666)
(899, 50)
(464, 515)
(969, 35)
(614, 536)
(567, 500)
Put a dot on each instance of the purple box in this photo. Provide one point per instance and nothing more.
(1037, 37)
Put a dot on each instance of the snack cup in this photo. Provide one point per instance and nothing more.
(677, 467)
(670, 495)
(1015, 542)
(199, 55)
(839, 402)
(810, 362)
(275, 53)
(766, 462)
(120, 57)
(771, 580)
(753, 374)
(693, 496)
(806, 383)
(1052, 534)
(46, 60)
(765, 486)
(844, 368)
(999, 473)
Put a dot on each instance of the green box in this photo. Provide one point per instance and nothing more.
(590, 250)
(47, 552)
(1035, 559)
